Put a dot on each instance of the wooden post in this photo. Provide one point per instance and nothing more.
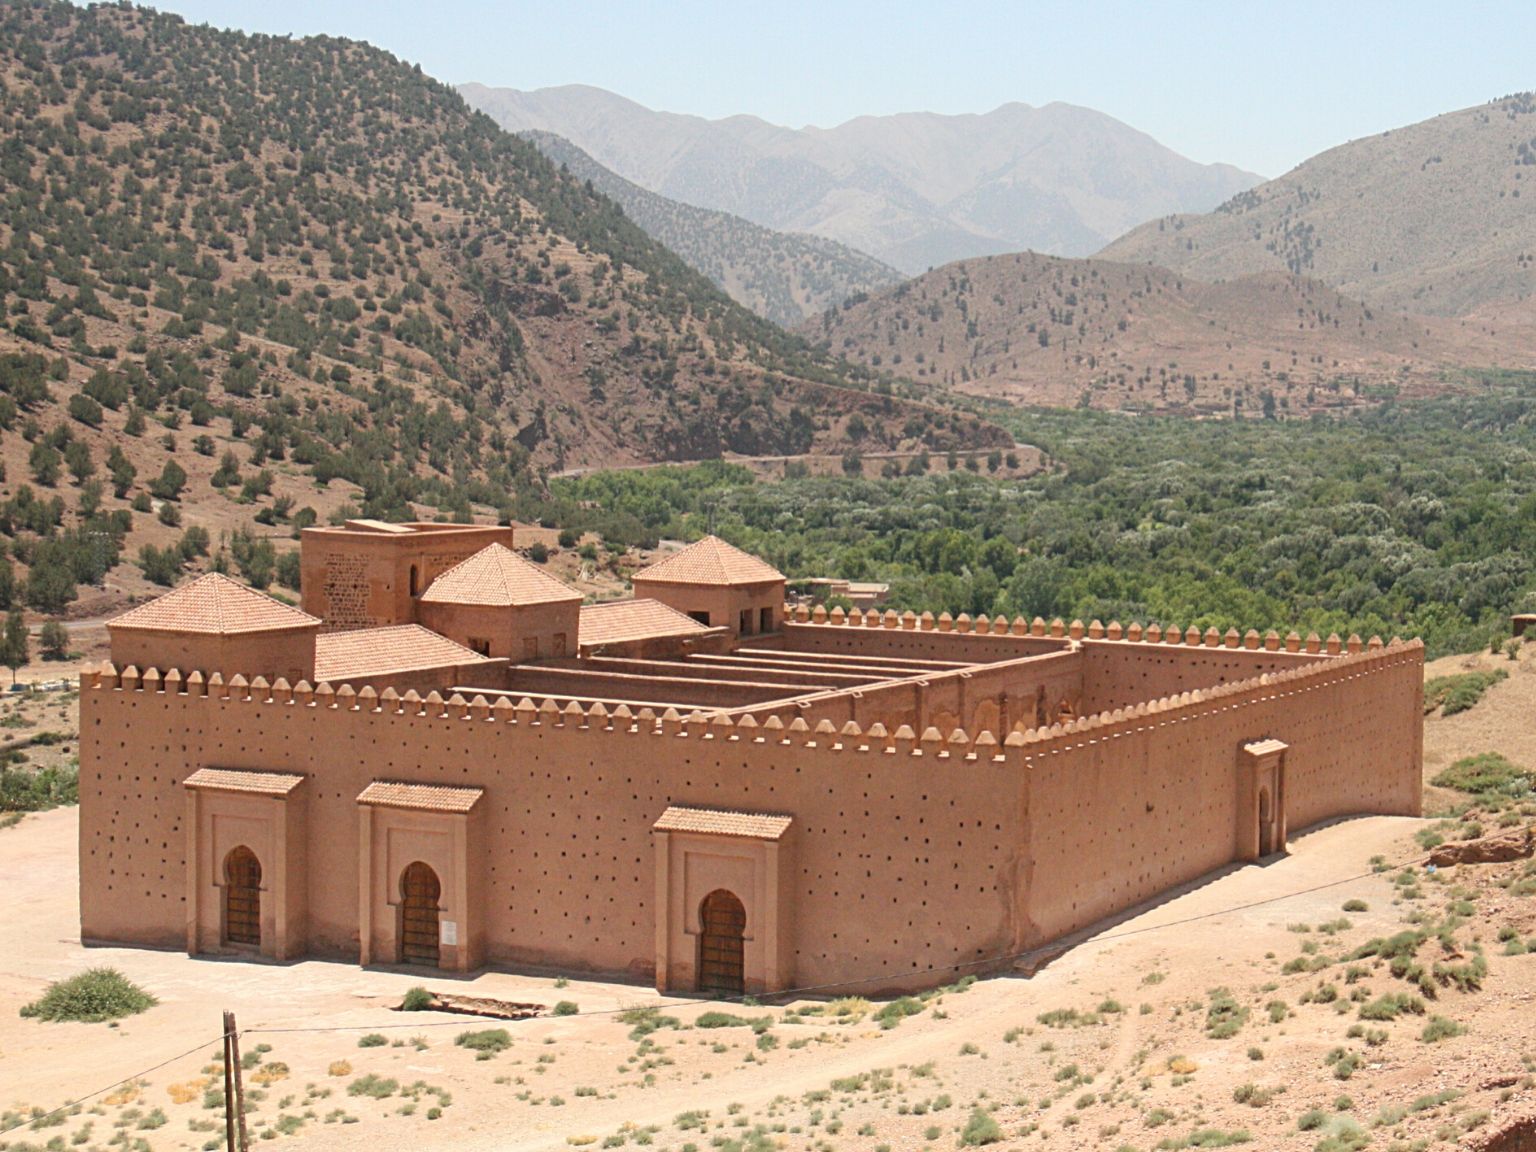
(232, 1065)
(229, 1085)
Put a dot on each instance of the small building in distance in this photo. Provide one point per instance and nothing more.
(448, 761)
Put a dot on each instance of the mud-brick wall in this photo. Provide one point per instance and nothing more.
(1119, 674)
(1122, 810)
(914, 644)
(905, 859)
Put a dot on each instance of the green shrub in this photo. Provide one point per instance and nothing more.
(981, 1128)
(94, 995)
(1457, 693)
(372, 1040)
(1441, 1028)
(1224, 1017)
(491, 1040)
(378, 1087)
(418, 999)
(1485, 773)
(567, 1008)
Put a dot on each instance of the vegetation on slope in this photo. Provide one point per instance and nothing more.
(1414, 519)
(311, 263)
(786, 277)
(1044, 330)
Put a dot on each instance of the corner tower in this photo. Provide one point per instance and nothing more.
(718, 585)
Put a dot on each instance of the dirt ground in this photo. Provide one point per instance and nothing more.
(1137, 1054)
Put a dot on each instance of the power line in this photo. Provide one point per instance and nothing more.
(932, 970)
(103, 1091)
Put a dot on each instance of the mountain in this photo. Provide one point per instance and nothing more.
(254, 278)
(785, 277)
(1438, 217)
(1045, 330)
(914, 190)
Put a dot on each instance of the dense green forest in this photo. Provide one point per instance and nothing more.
(1411, 519)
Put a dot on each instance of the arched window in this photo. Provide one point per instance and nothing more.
(722, 963)
(419, 894)
(242, 898)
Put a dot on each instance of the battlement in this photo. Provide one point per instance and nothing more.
(956, 743)
(1058, 629)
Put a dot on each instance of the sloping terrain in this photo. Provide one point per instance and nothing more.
(1045, 330)
(301, 275)
(785, 277)
(1438, 217)
(915, 190)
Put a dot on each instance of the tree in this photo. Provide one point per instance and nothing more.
(15, 647)
(54, 641)
(170, 482)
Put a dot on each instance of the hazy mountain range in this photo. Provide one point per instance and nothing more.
(1438, 217)
(783, 276)
(912, 190)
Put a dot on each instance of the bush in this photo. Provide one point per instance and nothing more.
(1453, 694)
(372, 1040)
(567, 1008)
(417, 999)
(1441, 1028)
(54, 641)
(491, 1040)
(980, 1129)
(94, 995)
(1484, 773)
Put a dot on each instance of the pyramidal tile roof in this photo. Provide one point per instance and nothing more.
(496, 576)
(213, 604)
(392, 648)
(617, 621)
(710, 561)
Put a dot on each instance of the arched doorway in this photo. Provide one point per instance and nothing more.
(242, 898)
(1266, 824)
(419, 894)
(722, 963)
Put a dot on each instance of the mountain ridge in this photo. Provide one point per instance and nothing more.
(785, 277)
(1426, 218)
(912, 189)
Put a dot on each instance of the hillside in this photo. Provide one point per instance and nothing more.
(785, 277)
(1045, 330)
(314, 281)
(1438, 217)
(914, 190)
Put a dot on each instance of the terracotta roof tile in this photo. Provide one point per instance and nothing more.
(620, 620)
(377, 651)
(710, 561)
(241, 780)
(497, 576)
(422, 797)
(756, 825)
(213, 603)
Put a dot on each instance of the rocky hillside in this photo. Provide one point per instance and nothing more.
(913, 190)
(1045, 330)
(786, 277)
(248, 278)
(1438, 217)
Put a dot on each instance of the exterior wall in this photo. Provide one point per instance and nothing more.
(540, 680)
(1118, 674)
(914, 643)
(568, 811)
(907, 853)
(424, 680)
(723, 605)
(355, 578)
(287, 652)
(1124, 809)
(510, 630)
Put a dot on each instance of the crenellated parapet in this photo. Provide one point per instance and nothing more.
(531, 712)
(1058, 629)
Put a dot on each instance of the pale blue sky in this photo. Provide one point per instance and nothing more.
(1260, 85)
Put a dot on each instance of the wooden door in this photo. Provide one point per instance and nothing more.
(419, 893)
(242, 898)
(723, 923)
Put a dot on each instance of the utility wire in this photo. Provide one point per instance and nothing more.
(103, 1091)
(786, 993)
